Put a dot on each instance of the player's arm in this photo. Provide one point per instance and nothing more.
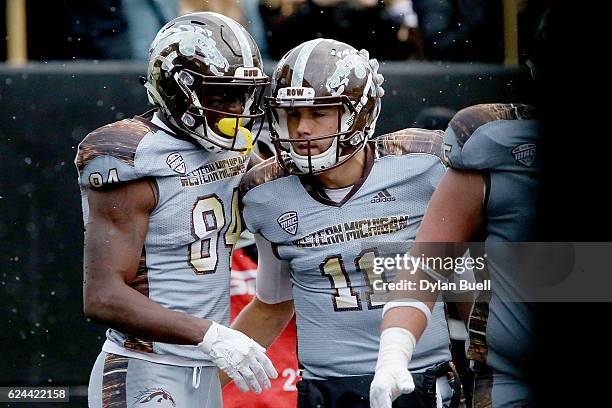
(454, 214)
(267, 315)
(114, 238)
(464, 300)
(115, 234)
(264, 322)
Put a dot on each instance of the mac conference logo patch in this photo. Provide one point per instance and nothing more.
(289, 222)
(525, 153)
(175, 162)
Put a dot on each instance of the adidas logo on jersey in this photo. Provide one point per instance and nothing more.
(382, 197)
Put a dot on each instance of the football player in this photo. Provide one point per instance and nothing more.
(490, 190)
(160, 204)
(330, 196)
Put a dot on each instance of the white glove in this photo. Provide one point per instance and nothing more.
(239, 356)
(392, 377)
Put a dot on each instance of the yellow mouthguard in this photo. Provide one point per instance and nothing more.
(227, 126)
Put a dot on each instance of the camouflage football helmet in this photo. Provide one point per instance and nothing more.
(324, 73)
(195, 54)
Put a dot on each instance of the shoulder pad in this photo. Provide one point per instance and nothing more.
(106, 155)
(411, 140)
(492, 137)
(467, 120)
(261, 173)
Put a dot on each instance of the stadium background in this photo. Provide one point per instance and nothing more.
(47, 107)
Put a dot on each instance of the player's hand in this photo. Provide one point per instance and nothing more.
(388, 384)
(392, 378)
(239, 356)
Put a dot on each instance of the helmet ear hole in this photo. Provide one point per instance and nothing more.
(188, 120)
(185, 78)
(356, 138)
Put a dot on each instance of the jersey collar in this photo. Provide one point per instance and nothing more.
(317, 192)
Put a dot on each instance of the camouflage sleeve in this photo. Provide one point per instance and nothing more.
(106, 156)
(408, 141)
(492, 137)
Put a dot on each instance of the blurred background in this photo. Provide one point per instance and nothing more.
(68, 67)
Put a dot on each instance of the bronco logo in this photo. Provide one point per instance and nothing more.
(350, 61)
(191, 39)
(155, 397)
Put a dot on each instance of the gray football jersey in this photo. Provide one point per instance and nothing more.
(330, 248)
(185, 264)
(501, 141)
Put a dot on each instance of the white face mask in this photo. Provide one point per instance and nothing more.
(319, 162)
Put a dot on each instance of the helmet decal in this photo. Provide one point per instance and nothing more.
(191, 39)
(351, 61)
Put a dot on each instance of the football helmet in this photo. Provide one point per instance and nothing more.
(324, 73)
(196, 55)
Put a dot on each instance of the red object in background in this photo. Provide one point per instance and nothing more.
(282, 353)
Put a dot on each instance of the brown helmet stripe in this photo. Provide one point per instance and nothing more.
(245, 48)
(302, 59)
